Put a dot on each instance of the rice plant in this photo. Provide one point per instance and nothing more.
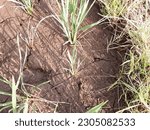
(73, 61)
(71, 17)
(73, 13)
(26, 5)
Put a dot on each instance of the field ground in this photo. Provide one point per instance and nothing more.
(45, 60)
(51, 70)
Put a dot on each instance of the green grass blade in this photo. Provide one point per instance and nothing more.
(4, 93)
(4, 80)
(3, 108)
(5, 104)
(131, 88)
(97, 108)
(91, 25)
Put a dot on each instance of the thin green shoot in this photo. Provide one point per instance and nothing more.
(98, 108)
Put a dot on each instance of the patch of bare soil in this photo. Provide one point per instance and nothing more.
(46, 60)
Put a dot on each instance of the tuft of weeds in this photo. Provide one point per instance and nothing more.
(113, 10)
(135, 83)
(138, 73)
(18, 101)
(138, 28)
(21, 100)
(26, 5)
(134, 75)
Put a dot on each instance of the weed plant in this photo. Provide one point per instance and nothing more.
(113, 10)
(135, 72)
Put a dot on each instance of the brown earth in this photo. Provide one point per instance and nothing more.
(46, 60)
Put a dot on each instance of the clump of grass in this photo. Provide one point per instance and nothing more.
(22, 101)
(113, 9)
(138, 28)
(135, 83)
(26, 5)
(134, 75)
(18, 102)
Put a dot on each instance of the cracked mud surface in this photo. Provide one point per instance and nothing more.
(46, 62)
